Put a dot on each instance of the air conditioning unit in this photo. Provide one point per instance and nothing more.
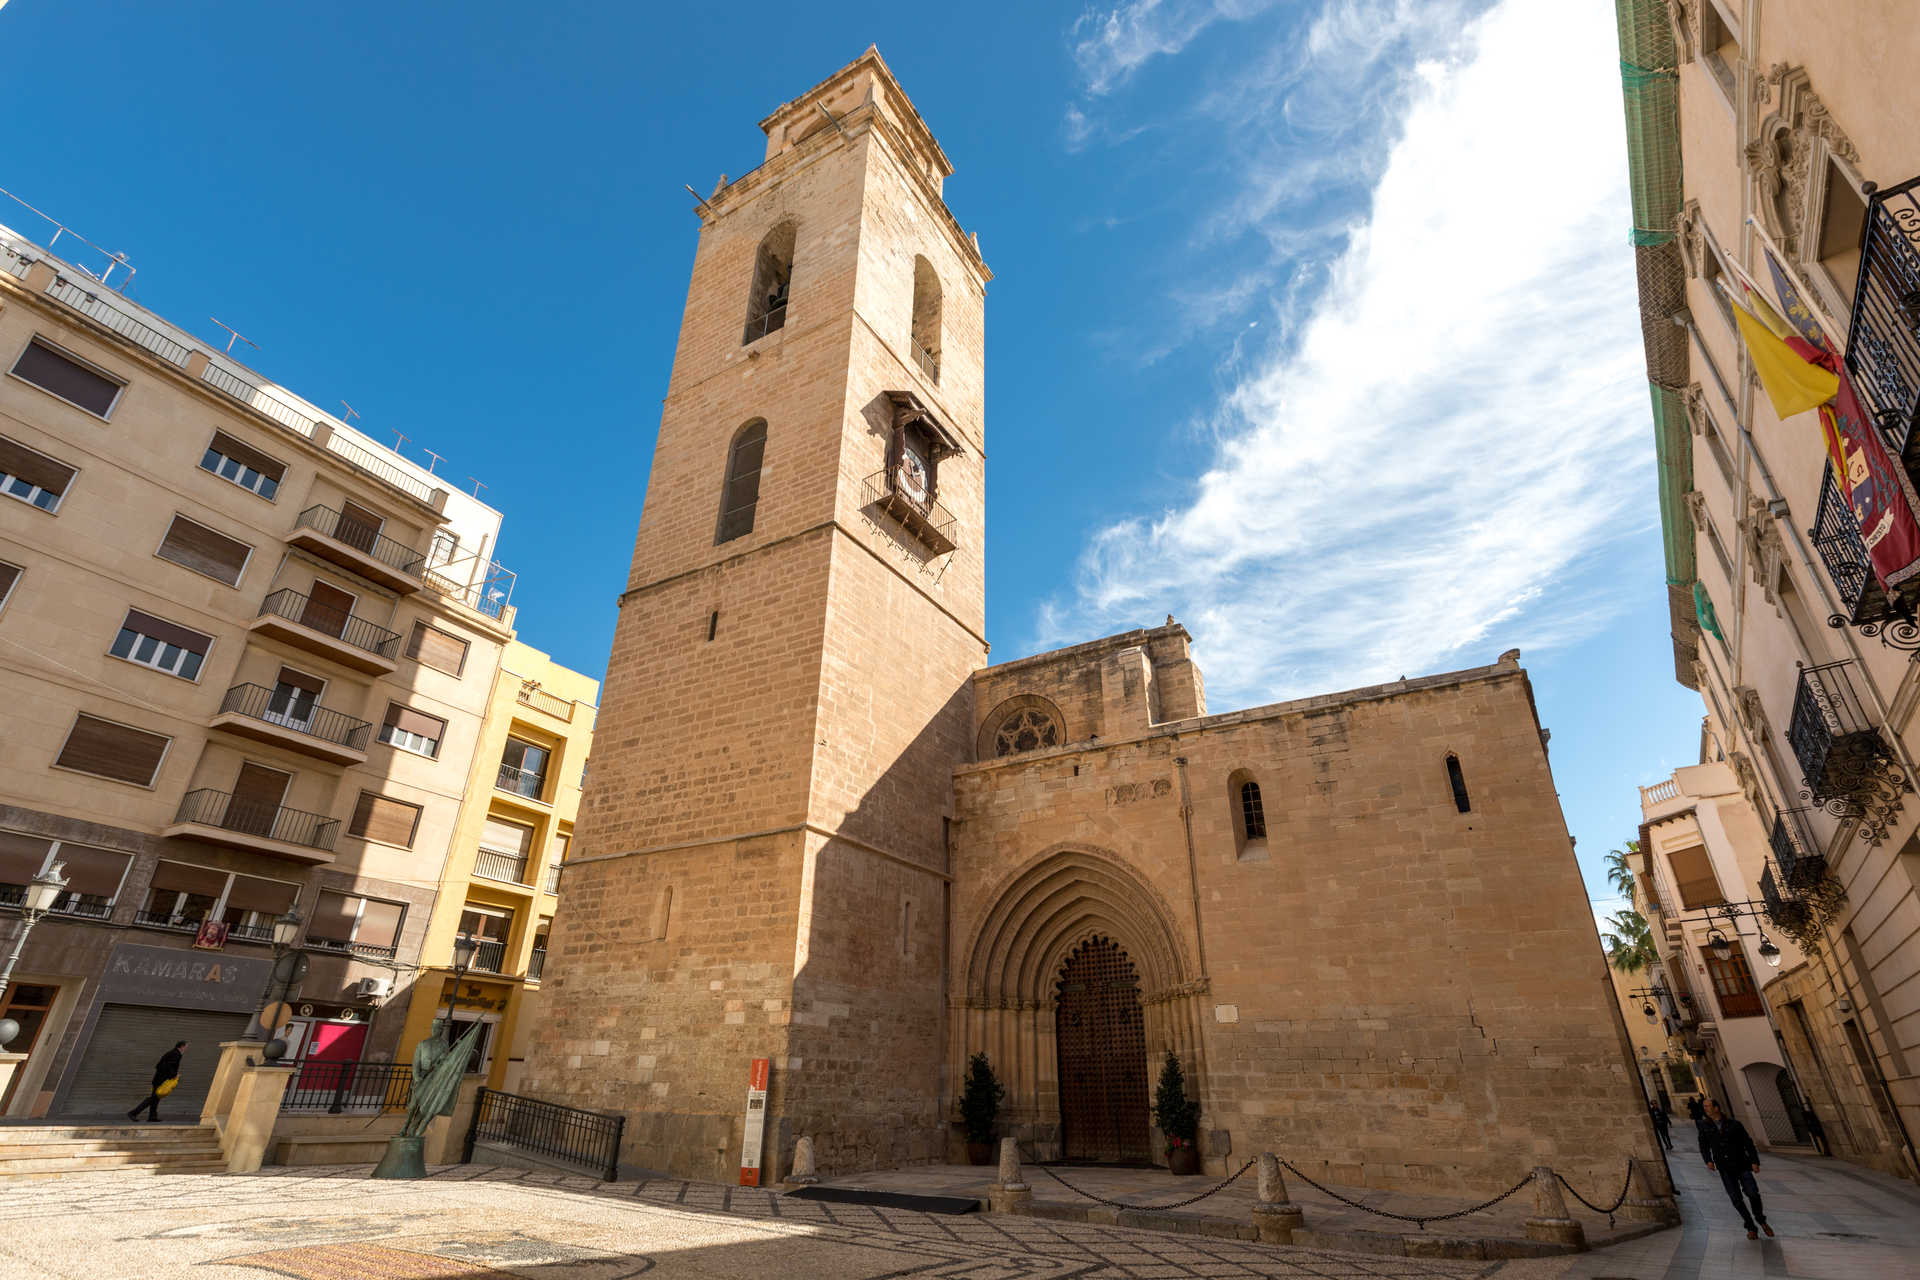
(373, 988)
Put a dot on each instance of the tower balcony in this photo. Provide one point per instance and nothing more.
(1841, 753)
(358, 547)
(929, 522)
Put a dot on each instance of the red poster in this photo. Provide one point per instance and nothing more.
(212, 935)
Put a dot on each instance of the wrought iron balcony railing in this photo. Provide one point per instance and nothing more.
(257, 702)
(268, 821)
(536, 963)
(490, 957)
(1883, 334)
(1841, 753)
(1836, 536)
(166, 920)
(553, 878)
(349, 627)
(362, 537)
(495, 865)
(1801, 863)
(932, 524)
(760, 326)
(345, 946)
(929, 363)
(1783, 909)
(521, 782)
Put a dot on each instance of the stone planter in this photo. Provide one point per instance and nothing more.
(979, 1153)
(1183, 1162)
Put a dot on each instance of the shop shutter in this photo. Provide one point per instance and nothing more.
(55, 371)
(21, 857)
(384, 819)
(435, 648)
(34, 467)
(160, 629)
(380, 924)
(112, 750)
(248, 456)
(196, 547)
(506, 837)
(116, 1067)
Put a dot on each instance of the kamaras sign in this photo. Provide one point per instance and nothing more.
(183, 979)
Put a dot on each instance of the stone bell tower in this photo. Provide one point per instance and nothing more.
(760, 866)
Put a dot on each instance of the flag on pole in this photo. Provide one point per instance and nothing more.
(1789, 368)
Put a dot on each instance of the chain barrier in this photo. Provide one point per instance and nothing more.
(1418, 1219)
(1146, 1208)
(1611, 1209)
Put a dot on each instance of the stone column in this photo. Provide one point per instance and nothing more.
(256, 1106)
(1650, 1197)
(1010, 1194)
(802, 1174)
(234, 1055)
(1274, 1216)
(446, 1136)
(1551, 1223)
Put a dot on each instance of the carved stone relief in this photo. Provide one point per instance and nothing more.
(1786, 143)
(1685, 17)
(1765, 548)
(1691, 236)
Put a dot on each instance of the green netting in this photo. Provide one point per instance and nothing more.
(1673, 447)
(1650, 84)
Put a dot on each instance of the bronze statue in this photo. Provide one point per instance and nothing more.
(437, 1069)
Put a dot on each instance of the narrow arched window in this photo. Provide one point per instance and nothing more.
(742, 491)
(1459, 782)
(1252, 816)
(926, 318)
(772, 278)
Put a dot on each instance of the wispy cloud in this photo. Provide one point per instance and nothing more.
(1111, 44)
(1431, 459)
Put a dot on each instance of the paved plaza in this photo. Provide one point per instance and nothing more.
(477, 1223)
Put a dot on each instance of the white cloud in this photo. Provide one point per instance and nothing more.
(1430, 464)
(1110, 45)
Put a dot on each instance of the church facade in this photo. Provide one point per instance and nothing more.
(820, 830)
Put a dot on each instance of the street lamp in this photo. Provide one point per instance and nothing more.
(41, 893)
(286, 929)
(1722, 949)
(1769, 952)
(464, 949)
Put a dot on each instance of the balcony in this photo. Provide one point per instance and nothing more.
(346, 638)
(510, 868)
(84, 906)
(553, 879)
(929, 363)
(536, 964)
(167, 920)
(1883, 334)
(347, 947)
(929, 522)
(540, 700)
(220, 818)
(529, 783)
(1836, 536)
(1801, 864)
(1787, 912)
(358, 547)
(760, 326)
(489, 956)
(267, 715)
(1840, 752)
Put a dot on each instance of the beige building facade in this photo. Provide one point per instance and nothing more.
(1773, 142)
(246, 657)
(820, 831)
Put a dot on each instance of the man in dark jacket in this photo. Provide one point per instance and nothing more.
(1662, 1125)
(1729, 1152)
(168, 1068)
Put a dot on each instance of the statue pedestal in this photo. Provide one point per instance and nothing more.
(404, 1159)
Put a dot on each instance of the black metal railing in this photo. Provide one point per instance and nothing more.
(495, 865)
(251, 932)
(536, 963)
(336, 1087)
(362, 537)
(1883, 334)
(88, 906)
(521, 782)
(167, 920)
(1784, 910)
(270, 706)
(553, 878)
(490, 957)
(1800, 861)
(1836, 536)
(932, 524)
(569, 1135)
(929, 363)
(251, 817)
(351, 628)
(1831, 734)
(345, 946)
(760, 326)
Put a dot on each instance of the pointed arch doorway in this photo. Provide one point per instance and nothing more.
(1100, 1032)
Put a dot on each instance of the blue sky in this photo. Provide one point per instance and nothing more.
(1313, 323)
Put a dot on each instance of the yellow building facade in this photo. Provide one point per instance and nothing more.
(502, 876)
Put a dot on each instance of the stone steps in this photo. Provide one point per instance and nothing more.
(47, 1149)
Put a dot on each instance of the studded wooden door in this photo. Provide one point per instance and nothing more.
(1101, 1037)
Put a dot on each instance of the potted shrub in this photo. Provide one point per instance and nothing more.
(979, 1107)
(1178, 1117)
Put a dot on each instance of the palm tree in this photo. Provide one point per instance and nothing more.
(1629, 942)
(1619, 874)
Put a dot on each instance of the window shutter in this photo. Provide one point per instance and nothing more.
(386, 820)
(196, 547)
(21, 857)
(416, 722)
(269, 897)
(245, 454)
(160, 629)
(34, 467)
(67, 378)
(90, 871)
(435, 648)
(506, 837)
(380, 924)
(333, 916)
(111, 750)
(184, 877)
(301, 680)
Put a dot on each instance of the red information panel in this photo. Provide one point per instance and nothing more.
(756, 1127)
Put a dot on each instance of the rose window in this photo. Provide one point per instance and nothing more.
(1026, 730)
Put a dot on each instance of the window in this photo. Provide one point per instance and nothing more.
(1693, 876)
(182, 895)
(67, 376)
(444, 547)
(33, 477)
(1733, 983)
(1843, 216)
(295, 697)
(411, 730)
(111, 750)
(926, 318)
(772, 278)
(1251, 814)
(236, 460)
(9, 574)
(1720, 45)
(345, 922)
(93, 876)
(503, 850)
(742, 492)
(1024, 722)
(194, 546)
(254, 903)
(481, 1057)
(385, 820)
(441, 650)
(162, 645)
(1458, 781)
(523, 769)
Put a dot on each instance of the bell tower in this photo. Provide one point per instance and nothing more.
(759, 869)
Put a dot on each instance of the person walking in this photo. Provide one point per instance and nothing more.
(1817, 1132)
(1662, 1123)
(166, 1072)
(1729, 1151)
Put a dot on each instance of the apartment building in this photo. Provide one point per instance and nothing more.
(503, 880)
(1774, 167)
(247, 659)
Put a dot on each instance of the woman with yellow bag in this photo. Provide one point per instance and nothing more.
(166, 1074)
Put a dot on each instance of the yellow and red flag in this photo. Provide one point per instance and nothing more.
(1790, 367)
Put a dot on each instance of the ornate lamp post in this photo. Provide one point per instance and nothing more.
(286, 931)
(42, 892)
(465, 947)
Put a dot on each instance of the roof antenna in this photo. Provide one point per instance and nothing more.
(477, 486)
(234, 335)
(352, 412)
(437, 459)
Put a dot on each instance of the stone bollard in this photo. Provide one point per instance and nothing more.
(1274, 1216)
(1551, 1223)
(802, 1174)
(1010, 1194)
(1650, 1198)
